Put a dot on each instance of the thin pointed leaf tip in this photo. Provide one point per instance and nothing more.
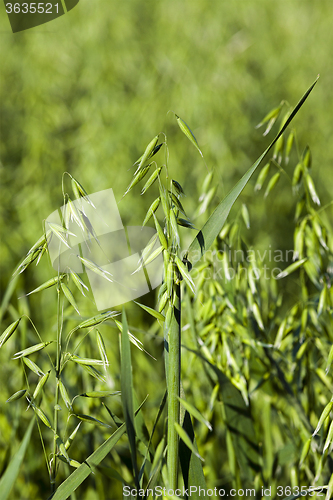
(188, 132)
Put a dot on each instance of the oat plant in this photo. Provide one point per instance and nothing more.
(261, 327)
(79, 342)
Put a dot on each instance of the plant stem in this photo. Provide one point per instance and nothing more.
(57, 373)
(174, 364)
(55, 424)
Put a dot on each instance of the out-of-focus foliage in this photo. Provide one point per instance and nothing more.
(83, 94)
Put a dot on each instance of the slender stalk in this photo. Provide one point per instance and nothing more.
(56, 411)
(174, 364)
(54, 455)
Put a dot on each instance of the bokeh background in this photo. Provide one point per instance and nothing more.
(85, 94)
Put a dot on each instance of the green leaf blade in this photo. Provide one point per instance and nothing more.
(127, 393)
(187, 440)
(206, 236)
(9, 477)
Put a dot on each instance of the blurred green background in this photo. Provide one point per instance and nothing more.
(88, 91)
